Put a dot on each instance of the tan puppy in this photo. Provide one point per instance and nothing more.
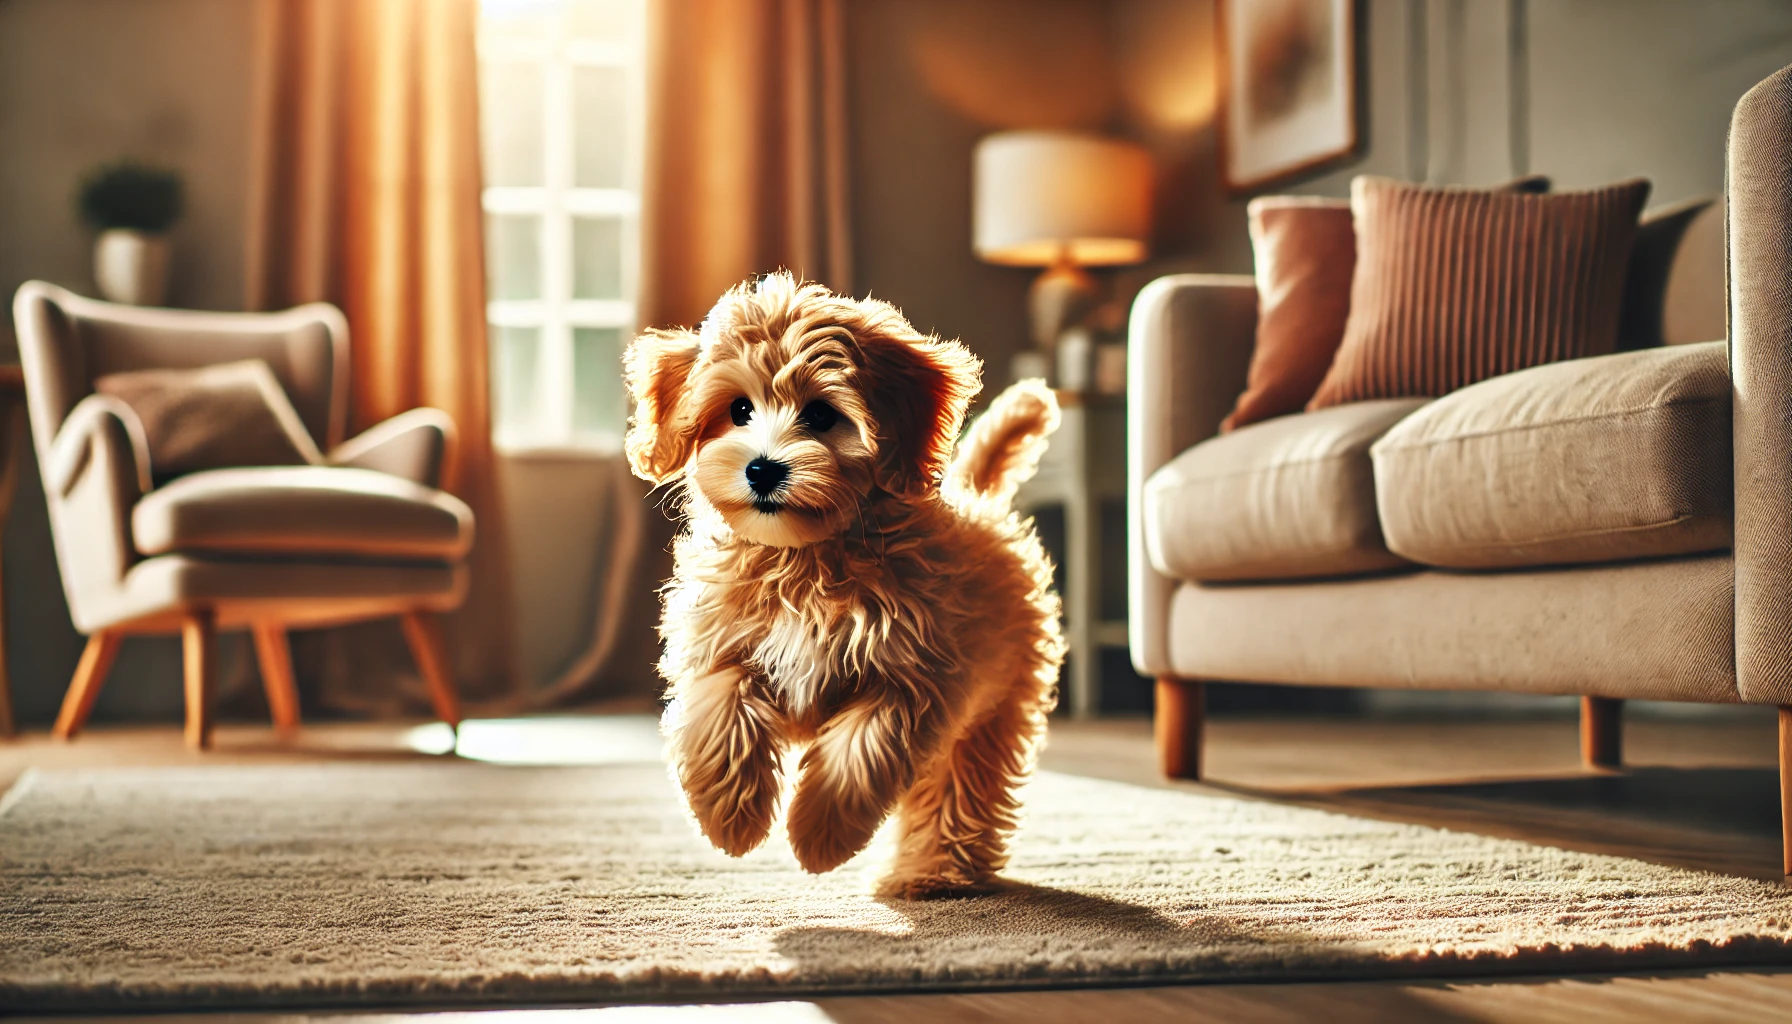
(846, 583)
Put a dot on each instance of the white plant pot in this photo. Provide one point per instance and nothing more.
(131, 267)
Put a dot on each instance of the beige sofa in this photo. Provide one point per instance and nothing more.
(1615, 527)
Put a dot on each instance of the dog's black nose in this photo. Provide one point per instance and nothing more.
(764, 476)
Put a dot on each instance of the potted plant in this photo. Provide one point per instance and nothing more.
(132, 206)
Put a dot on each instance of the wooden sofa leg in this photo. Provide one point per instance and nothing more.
(1180, 719)
(198, 635)
(84, 688)
(1602, 732)
(275, 656)
(424, 634)
(1786, 787)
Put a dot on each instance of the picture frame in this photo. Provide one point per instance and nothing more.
(1289, 96)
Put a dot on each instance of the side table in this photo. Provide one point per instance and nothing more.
(1083, 467)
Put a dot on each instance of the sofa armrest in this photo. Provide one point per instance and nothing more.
(1188, 351)
(1759, 251)
(412, 445)
(95, 470)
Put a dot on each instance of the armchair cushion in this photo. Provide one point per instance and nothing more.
(302, 510)
(212, 417)
(1287, 498)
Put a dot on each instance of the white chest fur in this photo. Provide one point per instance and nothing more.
(794, 661)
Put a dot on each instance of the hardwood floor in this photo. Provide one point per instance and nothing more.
(1698, 792)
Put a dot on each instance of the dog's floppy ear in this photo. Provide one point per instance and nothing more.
(918, 388)
(664, 431)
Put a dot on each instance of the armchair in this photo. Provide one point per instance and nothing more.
(366, 535)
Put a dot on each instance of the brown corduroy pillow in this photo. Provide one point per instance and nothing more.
(1305, 252)
(1453, 286)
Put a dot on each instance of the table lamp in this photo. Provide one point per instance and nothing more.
(1062, 201)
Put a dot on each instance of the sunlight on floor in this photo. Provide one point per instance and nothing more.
(617, 739)
(747, 1013)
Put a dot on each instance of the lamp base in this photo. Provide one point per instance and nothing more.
(1060, 298)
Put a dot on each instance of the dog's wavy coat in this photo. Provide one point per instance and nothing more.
(846, 582)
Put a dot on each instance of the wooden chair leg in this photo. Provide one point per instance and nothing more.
(424, 634)
(1602, 732)
(1786, 787)
(275, 655)
(1179, 721)
(199, 634)
(84, 688)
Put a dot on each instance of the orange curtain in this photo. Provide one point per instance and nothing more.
(746, 163)
(367, 195)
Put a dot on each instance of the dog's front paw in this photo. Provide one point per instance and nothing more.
(938, 887)
(725, 747)
(825, 834)
(735, 825)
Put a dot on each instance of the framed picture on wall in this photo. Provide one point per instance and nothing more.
(1288, 88)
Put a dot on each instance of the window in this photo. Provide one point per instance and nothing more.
(561, 111)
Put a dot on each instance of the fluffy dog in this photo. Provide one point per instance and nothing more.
(846, 583)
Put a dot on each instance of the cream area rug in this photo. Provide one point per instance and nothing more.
(450, 882)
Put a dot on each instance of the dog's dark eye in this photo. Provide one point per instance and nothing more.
(741, 411)
(819, 417)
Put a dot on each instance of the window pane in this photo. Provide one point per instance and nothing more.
(515, 353)
(602, 19)
(600, 123)
(510, 99)
(597, 377)
(596, 258)
(524, 21)
(513, 256)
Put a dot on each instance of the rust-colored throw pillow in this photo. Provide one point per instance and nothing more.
(213, 417)
(1305, 251)
(1454, 286)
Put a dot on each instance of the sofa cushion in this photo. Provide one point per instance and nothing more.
(1590, 460)
(304, 510)
(1285, 498)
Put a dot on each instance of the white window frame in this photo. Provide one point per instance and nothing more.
(556, 314)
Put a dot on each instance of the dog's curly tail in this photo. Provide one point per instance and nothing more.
(1001, 451)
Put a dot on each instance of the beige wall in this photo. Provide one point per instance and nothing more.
(1622, 87)
(84, 82)
(928, 78)
(568, 528)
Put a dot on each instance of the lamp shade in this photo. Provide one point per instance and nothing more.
(1043, 196)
